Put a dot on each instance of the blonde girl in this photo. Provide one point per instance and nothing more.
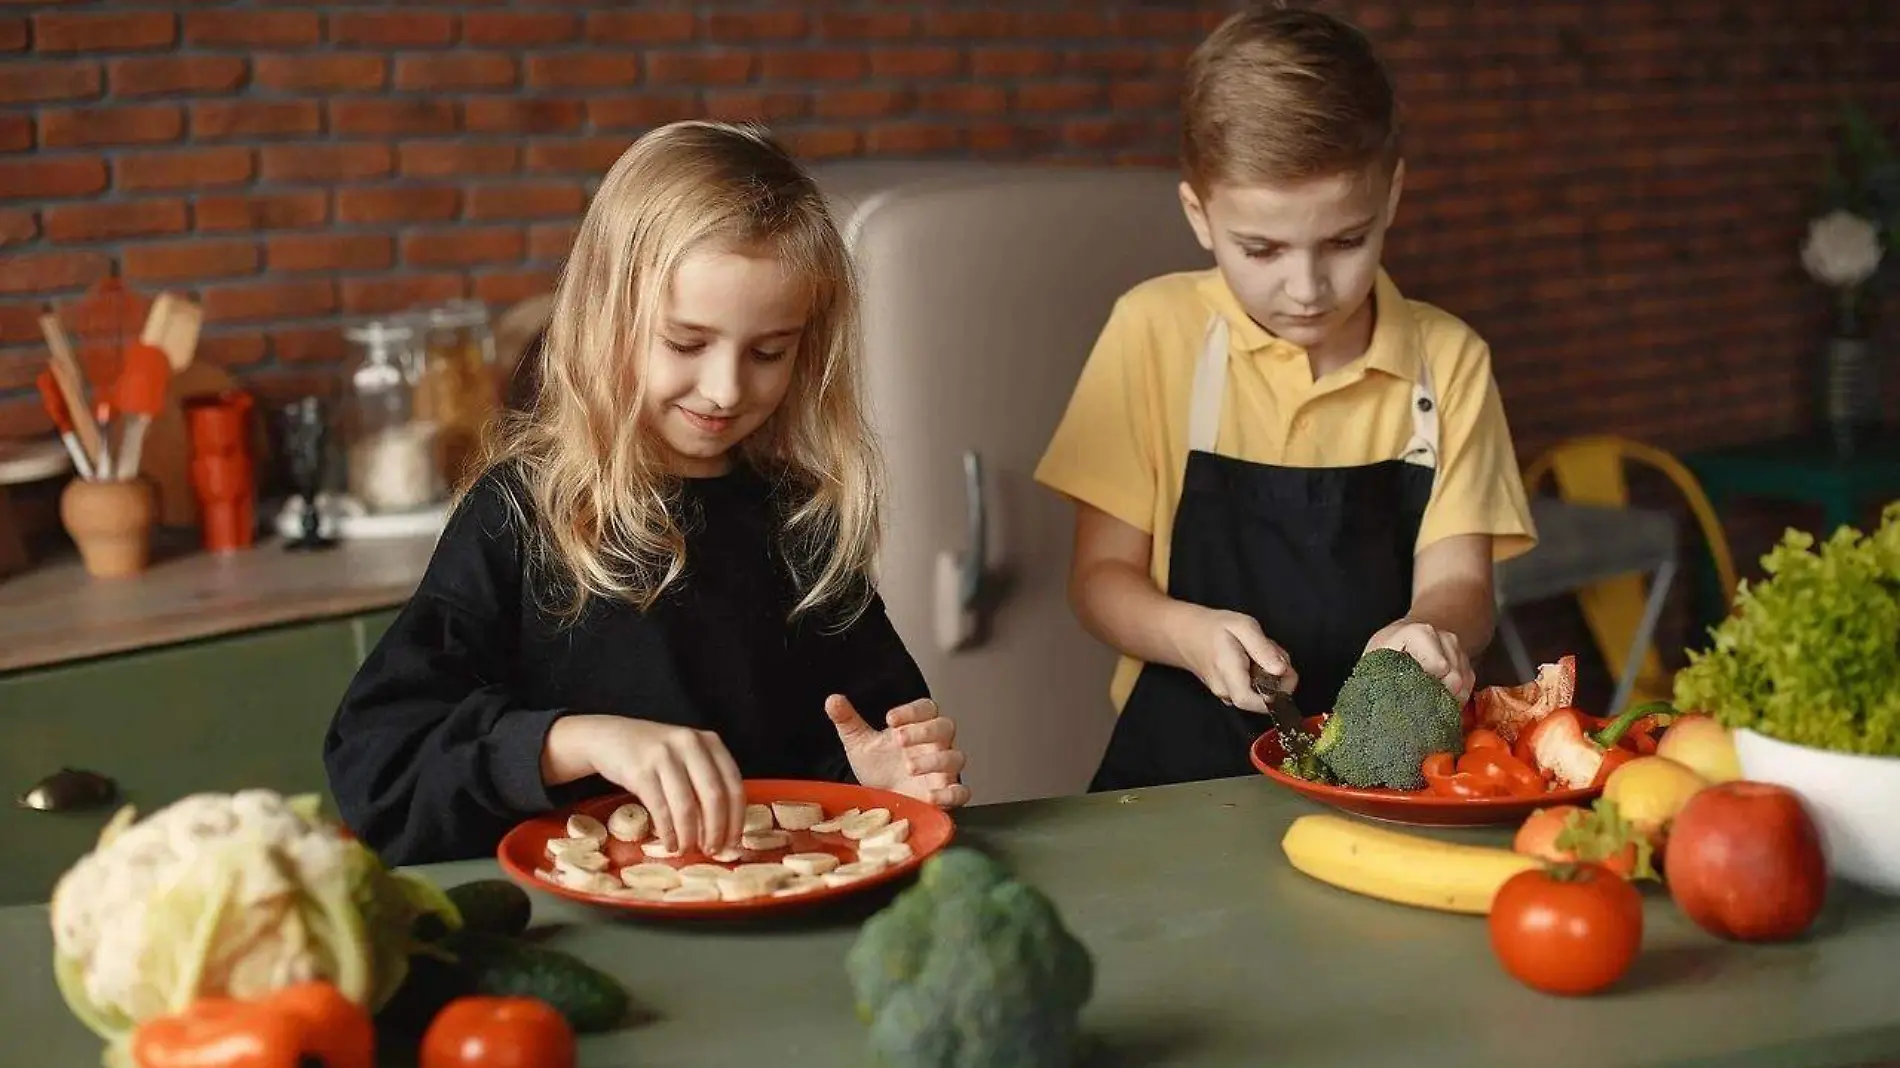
(660, 580)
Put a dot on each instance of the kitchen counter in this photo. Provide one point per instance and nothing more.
(1210, 950)
(57, 613)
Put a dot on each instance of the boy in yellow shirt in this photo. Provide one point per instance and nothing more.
(1280, 461)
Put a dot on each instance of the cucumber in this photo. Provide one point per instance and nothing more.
(495, 906)
(497, 965)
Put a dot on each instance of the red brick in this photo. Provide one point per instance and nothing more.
(16, 132)
(79, 127)
(1143, 25)
(184, 170)
(275, 211)
(330, 252)
(866, 25)
(269, 300)
(175, 75)
(526, 200)
(29, 83)
(228, 119)
(641, 111)
(1063, 24)
(324, 163)
(862, 103)
(550, 241)
(333, 72)
(700, 68)
(519, 29)
(917, 62)
(1013, 62)
(913, 137)
(585, 155)
(179, 261)
(757, 25)
(230, 350)
(397, 203)
(973, 24)
(964, 99)
(375, 117)
(828, 64)
(1012, 138)
(446, 159)
(1112, 61)
(110, 222)
(50, 177)
(640, 27)
(1134, 96)
(40, 272)
(583, 70)
(1104, 133)
(464, 246)
(12, 34)
(1059, 96)
(512, 287)
(507, 114)
(823, 142)
(252, 29)
(455, 70)
(20, 323)
(125, 31)
(17, 228)
(392, 29)
(320, 344)
(381, 294)
(756, 105)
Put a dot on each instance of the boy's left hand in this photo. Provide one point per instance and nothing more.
(1436, 650)
(914, 755)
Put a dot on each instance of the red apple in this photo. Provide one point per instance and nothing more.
(1744, 861)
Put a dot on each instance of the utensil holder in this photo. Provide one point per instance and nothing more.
(111, 523)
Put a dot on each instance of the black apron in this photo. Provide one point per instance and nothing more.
(1320, 557)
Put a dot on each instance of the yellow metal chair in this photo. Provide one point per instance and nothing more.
(1591, 471)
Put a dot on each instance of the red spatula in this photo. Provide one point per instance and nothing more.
(140, 396)
(55, 406)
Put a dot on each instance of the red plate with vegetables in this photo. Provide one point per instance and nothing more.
(805, 842)
(1398, 747)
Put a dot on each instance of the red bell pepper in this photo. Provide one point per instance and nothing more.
(1563, 743)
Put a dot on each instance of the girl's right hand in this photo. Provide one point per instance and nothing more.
(1221, 647)
(686, 779)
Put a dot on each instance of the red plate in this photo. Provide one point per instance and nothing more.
(1420, 807)
(524, 849)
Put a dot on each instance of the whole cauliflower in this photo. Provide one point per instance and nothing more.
(228, 894)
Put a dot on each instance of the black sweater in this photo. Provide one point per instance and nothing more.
(436, 750)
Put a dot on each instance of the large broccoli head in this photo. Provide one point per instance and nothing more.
(969, 968)
(1390, 715)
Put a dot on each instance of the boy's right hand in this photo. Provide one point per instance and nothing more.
(1221, 647)
(686, 779)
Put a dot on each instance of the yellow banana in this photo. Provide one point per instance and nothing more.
(1395, 866)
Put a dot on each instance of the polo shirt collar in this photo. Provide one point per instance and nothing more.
(1394, 348)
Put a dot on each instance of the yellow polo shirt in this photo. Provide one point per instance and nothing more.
(1122, 444)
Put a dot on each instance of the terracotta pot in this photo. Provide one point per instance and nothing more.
(111, 522)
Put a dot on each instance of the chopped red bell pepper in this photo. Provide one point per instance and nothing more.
(1443, 779)
(1580, 757)
(1497, 768)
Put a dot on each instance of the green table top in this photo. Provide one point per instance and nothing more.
(1211, 950)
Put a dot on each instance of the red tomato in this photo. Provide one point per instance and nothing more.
(1567, 928)
(498, 1032)
(1744, 861)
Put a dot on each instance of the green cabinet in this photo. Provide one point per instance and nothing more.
(224, 714)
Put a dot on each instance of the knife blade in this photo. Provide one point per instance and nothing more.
(1286, 714)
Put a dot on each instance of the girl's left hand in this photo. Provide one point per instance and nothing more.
(916, 755)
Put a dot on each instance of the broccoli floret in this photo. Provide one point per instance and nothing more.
(968, 968)
(1308, 766)
(1389, 716)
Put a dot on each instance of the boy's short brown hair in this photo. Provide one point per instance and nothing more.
(1279, 95)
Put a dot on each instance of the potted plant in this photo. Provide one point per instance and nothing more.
(1857, 222)
(1806, 671)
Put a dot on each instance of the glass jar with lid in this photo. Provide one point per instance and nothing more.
(458, 390)
(391, 445)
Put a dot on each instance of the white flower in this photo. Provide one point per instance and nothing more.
(1842, 249)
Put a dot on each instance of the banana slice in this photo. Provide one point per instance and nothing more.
(803, 884)
(887, 854)
(639, 893)
(592, 882)
(773, 875)
(581, 825)
(561, 847)
(658, 851)
(630, 823)
(692, 892)
(736, 887)
(810, 864)
(729, 855)
(865, 823)
(581, 863)
(701, 873)
(889, 834)
(758, 818)
(797, 815)
(765, 841)
(846, 874)
(653, 876)
(547, 875)
(834, 824)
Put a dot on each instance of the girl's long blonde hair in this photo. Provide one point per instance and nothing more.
(599, 487)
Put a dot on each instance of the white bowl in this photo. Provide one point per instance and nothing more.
(1854, 800)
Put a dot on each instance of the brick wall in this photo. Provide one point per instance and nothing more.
(1611, 191)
